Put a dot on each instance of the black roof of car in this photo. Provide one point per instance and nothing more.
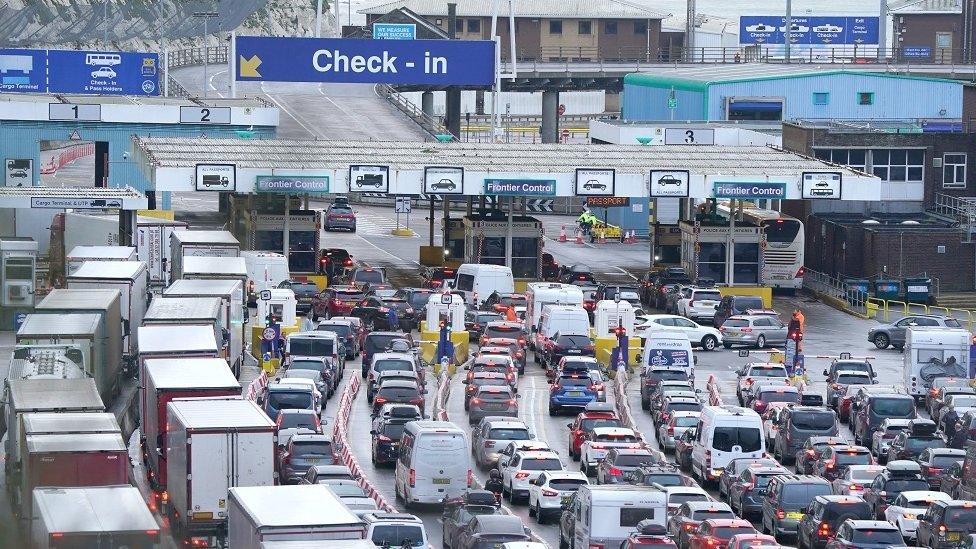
(500, 524)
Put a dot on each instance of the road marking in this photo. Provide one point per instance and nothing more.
(288, 112)
(329, 99)
(210, 81)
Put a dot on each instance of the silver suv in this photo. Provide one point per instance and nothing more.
(492, 435)
(893, 334)
(753, 330)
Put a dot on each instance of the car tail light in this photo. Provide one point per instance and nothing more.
(521, 475)
(549, 493)
(594, 545)
(384, 438)
(824, 530)
(413, 477)
(746, 330)
(830, 464)
(379, 400)
(556, 387)
(286, 460)
(942, 530)
(614, 472)
(811, 453)
(711, 542)
(511, 402)
(747, 486)
(800, 272)
(416, 401)
(347, 262)
(598, 446)
(598, 387)
(780, 514)
(688, 526)
(476, 401)
(509, 377)
(855, 487)
(337, 302)
(671, 430)
(691, 303)
(470, 478)
(521, 341)
(749, 381)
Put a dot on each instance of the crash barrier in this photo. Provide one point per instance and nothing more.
(623, 407)
(714, 396)
(766, 293)
(881, 309)
(67, 155)
(257, 386)
(339, 436)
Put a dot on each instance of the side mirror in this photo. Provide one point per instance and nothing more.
(570, 425)
(874, 375)
(826, 372)
(518, 396)
(467, 366)
(260, 401)
(466, 381)
(373, 431)
(531, 436)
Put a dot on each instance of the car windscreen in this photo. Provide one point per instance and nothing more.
(587, 424)
(309, 346)
(749, 439)
(282, 400)
(705, 514)
(961, 518)
(814, 420)
(393, 431)
(375, 277)
(893, 407)
(399, 394)
(397, 535)
(385, 364)
(686, 421)
(879, 536)
(502, 331)
(852, 457)
(779, 396)
(508, 434)
(540, 464)
(853, 379)
(799, 495)
(292, 421)
(633, 460)
(563, 484)
(341, 330)
(312, 448)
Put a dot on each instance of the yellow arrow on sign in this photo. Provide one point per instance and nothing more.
(249, 67)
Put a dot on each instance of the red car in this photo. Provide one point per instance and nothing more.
(584, 424)
(436, 277)
(808, 456)
(714, 533)
(336, 301)
(747, 541)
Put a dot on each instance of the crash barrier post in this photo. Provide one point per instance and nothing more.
(340, 436)
(875, 305)
(257, 386)
(714, 396)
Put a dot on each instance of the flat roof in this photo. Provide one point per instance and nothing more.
(76, 442)
(175, 152)
(193, 373)
(121, 270)
(232, 266)
(62, 325)
(546, 9)
(26, 197)
(190, 236)
(218, 413)
(189, 308)
(195, 287)
(65, 299)
(94, 509)
(55, 395)
(69, 422)
(292, 505)
(176, 339)
(243, 102)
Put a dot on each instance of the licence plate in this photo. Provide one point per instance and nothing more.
(796, 516)
(564, 500)
(574, 393)
(442, 481)
(952, 536)
(313, 461)
(574, 351)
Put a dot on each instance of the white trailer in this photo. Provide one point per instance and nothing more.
(309, 512)
(235, 314)
(93, 516)
(215, 268)
(80, 254)
(540, 294)
(129, 277)
(152, 242)
(214, 445)
(186, 243)
(932, 352)
(179, 311)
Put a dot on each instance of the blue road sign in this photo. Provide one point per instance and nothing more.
(917, 52)
(350, 61)
(103, 73)
(745, 189)
(23, 71)
(817, 31)
(395, 31)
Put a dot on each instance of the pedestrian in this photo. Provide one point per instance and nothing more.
(951, 419)
(959, 438)
(798, 314)
(510, 314)
(392, 319)
(584, 222)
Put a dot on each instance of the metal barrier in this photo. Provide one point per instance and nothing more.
(214, 55)
(409, 108)
(833, 289)
(884, 307)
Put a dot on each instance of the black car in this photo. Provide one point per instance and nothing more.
(826, 514)
(899, 476)
(476, 321)
(386, 433)
(398, 392)
(346, 333)
(334, 262)
(735, 468)
(406, 314)
(457, 514)
(659, 285)
(550, 268)
(304, 292)
(630, 294)
(951, 477)
(571, 273)
(910, 443)
(663, 474)
(566, 345)
(417, 298)
(490, 531)
(378, 342)
(375, 312)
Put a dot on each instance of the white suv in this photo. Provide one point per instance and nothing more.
(551, 491)
(492, 435)
(700, 303)
(523, 468)
(393, 529)
(755, 372)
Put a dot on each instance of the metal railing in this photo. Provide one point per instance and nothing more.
(430, 124)
(215, 55)
(849, 299)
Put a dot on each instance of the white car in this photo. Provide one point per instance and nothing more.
(882, 436)
(491, 436)
(706, 337)
(524, 467)
(516, 446)
(856, 479)
(771, 421)
(551, 491)
(905, 510)
(680, 494)
(599, 442)
(699, 304)
(754, 372)
(674, 427)
(103, 72)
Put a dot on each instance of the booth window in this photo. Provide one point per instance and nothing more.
(474, 25)
(640, 27)
(585, 27)
(954, 170)
(555, 26)
(745, 267)
(711, 261)
(610, 27)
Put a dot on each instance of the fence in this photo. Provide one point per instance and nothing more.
(836, 293)
(407, 107)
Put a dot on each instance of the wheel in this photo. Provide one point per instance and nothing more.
(645, 404)
(533, 512)
(539, 517)
(726, 345)
(314, 315)
(761, 342)
(709, 342)
(511, 494)
(553, 411)
(882, 341)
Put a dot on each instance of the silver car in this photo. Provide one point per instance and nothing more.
(492, 435)
(492, 400)
(671, 430)
(753, 330)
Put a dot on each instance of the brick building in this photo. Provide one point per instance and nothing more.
(549, 30)
(929, 30)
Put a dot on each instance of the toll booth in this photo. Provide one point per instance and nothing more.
(258, 221)
(705, 253)
(485, 236)
(18, 272)
(282, 304)
(608, 316)
(447, 307)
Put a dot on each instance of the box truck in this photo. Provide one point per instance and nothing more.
(178, 311)
(235, 314)
(215, 268)
(70, 459)
(152, 243)
(265, 270)
(170, 378)
(186, 243)
(214, 445)
(43, 395)
(192, 341)
(932, 352)
(47, 362)
(94, 516)
(80, 254)
(54, 423)
(303, 512)
(108, 305)
(84, 331)
(129, 277)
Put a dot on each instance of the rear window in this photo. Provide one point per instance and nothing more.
(379, 342)
(858, 510)
(508, 434)
(668, 375)
(587, 424)
(306, 365)
(960, 518)
(851, 457)
(304, 287)
(763, 480)
(495, 394)
(616, 438)
(633, 460)
(779, 396)
(893, 407)
(685, 421)
(726, 532)
(864, 475)
(313, 448)
(878, 536)
(664, 479)
(799, 495)
(343, 209)
(919, 444)
(392, 364)
(684, 407)
(706, 514)
(574, 381)
(398, 393)
(393, 431)
(293, 421)
(573, 341)
(541, 464)
(736, 323)
(743, 303)
(566, 484)
(944, 461)
(678, 499)
(349, 295)
(850, 379)
(711, 296)
(514, 301)
(290, 400)
(630, 516)
(342, 330)
(814, 421)
(905, 484)
(767, 372)
(484, 318)
(749, 439)
(397, 535)
(368, 276)
(308, 346)
(502, 331)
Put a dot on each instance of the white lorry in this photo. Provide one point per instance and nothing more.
(129, 277)
(234, 317)
(540, 294)
(186, 243)
(92, 516)
(81, 254)
(152, 242)
(932, 352)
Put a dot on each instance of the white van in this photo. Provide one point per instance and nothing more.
(668, 349)
(265, 270)
(725, 433)
(605, 515)
(434, 463)
(476, 281)
(540, 294)
(562, 320)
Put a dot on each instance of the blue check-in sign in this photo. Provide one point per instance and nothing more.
(394, 31)
(746, 189)
(520, 187)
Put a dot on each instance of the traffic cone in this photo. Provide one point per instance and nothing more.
(562, 234)
(579, 236)
(601, 237)
(632, 237)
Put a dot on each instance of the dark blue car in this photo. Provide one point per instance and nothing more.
(572, 391)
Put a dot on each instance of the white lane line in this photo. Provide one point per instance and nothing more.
(388, 253)
(288, 112)
(211, 84)
(336, 105)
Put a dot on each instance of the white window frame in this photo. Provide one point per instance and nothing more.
(954, 166)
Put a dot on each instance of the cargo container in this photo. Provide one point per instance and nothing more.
(63, 460)
(129, 277)
(179, 311)
(81, 254)
(192, 341)
(214, 445)
(152, 244)
(231, 294)
(96, 517)
(108, 305)
(47, 362)
(309, 512)
(169, 378)
(43, 395)
(215, 268)
(186, 243)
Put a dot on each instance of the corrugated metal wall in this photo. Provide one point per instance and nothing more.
(21, 139)
(644, 103)
(893, 97)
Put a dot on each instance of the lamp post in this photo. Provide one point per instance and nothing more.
(206, 16)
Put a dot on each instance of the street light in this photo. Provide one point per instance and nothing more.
(206, 16)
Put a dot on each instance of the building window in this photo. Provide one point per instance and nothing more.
(954, 170)
(555, 26)
(585, 27)
(865, 98)
(821, 98)
(610, 27)
(640, 27)
(893, 165)
(474, 25)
